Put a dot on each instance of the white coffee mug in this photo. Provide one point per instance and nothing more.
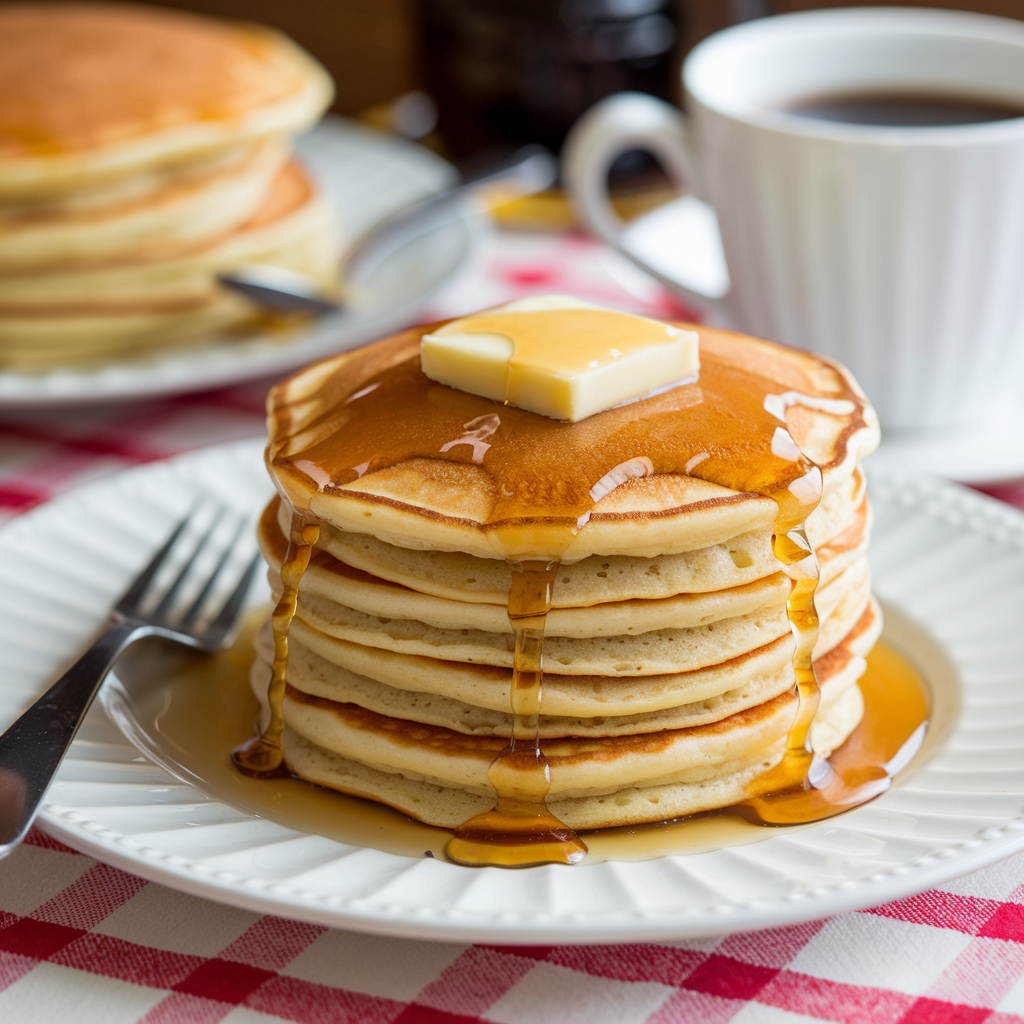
(897, 250)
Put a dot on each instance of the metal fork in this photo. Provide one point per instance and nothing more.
(33, 747)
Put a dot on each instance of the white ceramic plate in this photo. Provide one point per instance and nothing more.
(367, 176)
(949, 564)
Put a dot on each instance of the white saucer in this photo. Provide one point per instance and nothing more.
(985, 452)
(947, 562)
(367, 176)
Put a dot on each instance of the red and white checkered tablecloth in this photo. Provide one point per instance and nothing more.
(84, 943)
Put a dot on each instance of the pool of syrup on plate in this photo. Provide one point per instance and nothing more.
(190, 711)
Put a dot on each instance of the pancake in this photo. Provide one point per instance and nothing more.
(578, 764)
(329, 578)
(575, 694)
(652, 652)
(312, 674)
(490, 686)
(432, 773)
(166, 294)
(142, 153)
(189, 208)
(168, 272)
(92, 94)
(447, 806)
(640, 590)
(838, 529)
(140, 187)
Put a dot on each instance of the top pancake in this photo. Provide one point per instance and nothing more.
(93, 92)
(366, 443)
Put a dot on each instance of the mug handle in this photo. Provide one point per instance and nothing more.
(613, 126)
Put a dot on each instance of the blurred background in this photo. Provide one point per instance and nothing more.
(473, 52)
(471, 81)
(475, 79)
(472, 55)
(373, 48)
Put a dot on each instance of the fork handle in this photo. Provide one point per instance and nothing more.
(33, 747)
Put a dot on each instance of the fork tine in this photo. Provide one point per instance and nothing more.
(193, 613)
(168, 599)
(128, 602)
(233, 605)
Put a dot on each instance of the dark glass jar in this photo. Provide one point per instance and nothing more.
(508, 72)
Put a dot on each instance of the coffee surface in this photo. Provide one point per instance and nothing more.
(905, 109)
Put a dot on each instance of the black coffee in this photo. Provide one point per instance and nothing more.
(905, 110)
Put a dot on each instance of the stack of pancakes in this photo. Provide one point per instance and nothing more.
(142, 152)
(668, 677)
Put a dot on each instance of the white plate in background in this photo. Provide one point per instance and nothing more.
(367, 176)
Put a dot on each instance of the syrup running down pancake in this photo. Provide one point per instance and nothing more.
(515, 626)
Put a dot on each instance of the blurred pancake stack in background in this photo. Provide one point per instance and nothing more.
(143, 152)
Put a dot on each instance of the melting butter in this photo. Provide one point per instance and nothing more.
(559, 357)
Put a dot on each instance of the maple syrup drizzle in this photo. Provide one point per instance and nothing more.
(520, 830)
(793, 549)
(729, 428)
(262, 756)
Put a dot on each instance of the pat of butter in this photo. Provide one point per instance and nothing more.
(559, 357)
